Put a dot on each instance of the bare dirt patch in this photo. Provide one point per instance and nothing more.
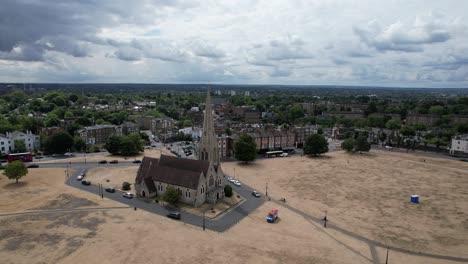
(66, 201)
(369, 194)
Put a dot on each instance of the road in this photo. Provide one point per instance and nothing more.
(221, 224)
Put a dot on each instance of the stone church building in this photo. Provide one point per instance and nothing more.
(197, 181)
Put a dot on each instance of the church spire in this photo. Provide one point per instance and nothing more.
(209, 144)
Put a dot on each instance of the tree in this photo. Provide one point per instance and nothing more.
(315, 144)
(245, 148)
(79, 144)
(320, 130)
(228, 131)
(127, 148)
(382, 137)
(392, 124)
(407, 131)
(348, 144)
(137, 142)
(438, 110)
(126, 186)
(52, 120)
(113, 144)
(362, 144)
(228, 190)
(187, 123)
(59, 142)
(375, 121)
(170, 195)
(20, 146)
(15, 170)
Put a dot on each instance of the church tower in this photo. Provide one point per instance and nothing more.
(208, 149)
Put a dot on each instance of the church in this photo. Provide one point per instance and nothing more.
(197, 181)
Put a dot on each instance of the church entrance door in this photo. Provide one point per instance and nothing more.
(143, 194)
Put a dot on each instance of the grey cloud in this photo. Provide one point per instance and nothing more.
(28, 24)
(400, 37)
(452, 60)
(128, 54)
(277, 50)
(278, 72)
(203, 49)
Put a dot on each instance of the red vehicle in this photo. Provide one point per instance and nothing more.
(24, 157)
(272, 216)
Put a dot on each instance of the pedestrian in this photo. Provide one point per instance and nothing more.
(134, 208)
(325, 221)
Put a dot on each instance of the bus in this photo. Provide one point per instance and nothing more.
(24, 157)
(275, 153)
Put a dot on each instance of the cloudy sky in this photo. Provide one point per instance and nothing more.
(355, 42)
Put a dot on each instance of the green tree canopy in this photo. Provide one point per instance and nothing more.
(15, 170)
(113, 144)
(348, 144)
(362, 144)
(245, 148)
(20, 146)
(315, 144)
(170, 195)
(79, 144)
(438, 110)
(228, 190)
(392, 124)
(407, 131)
(59, 142)
(125, 145)
(382, 137)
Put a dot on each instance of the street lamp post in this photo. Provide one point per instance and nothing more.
(386, 259)
(203, 220)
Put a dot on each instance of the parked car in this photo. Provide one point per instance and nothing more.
(30, 166)
(388, 147)
(86, 182)
(127, 195)
(137, 161)
(103, 162)
(110, 190)
(38, 157)
(236, 183)
(80, 177)
(256, 194)
(68, 154)
(114, 162)
(174, 215)
(229, 179)
(272, 216)
(284, 154)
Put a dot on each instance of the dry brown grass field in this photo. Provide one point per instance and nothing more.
(366, 194)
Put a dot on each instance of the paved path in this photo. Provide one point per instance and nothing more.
(372, 243)
(221, 224)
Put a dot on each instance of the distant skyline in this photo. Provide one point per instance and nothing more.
(357, 43)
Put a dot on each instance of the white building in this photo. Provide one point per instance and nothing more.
(7, 142)
(195, 132)
(459, 144)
